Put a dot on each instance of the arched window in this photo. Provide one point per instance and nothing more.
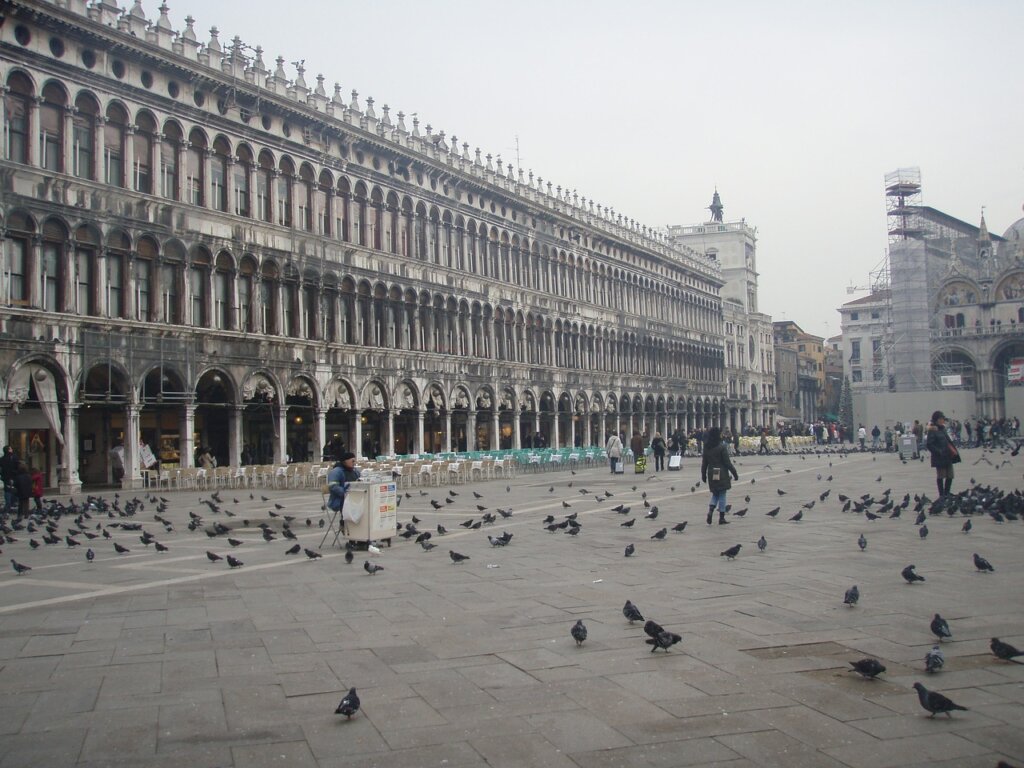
(53, 264)
(305, 193)
(246, 280)
(169, 172)
(359, 215)
(195, 183)
(241, 176)
(172, 269)
(311, 311)
(113, 146)
(290, 304)
(283, 194)
(16, 109)
(268, 298)
(116, 260)
(145, 267)
(264, 187)
(223, 299)
(142, 161)
(341, 222)
(86, 249)
(199, 280)
(83, 137)
(20, 231)
(51, 128)
(219, 163)
(323, 203)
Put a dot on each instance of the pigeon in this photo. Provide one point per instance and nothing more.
(234, 542)
(349, 705)
(923, 531)
(852, 596)
(934, 660)
(868, 668)
(578, 632)
(427, 546)
(652, 514)
(660, 535)
(773, 512)
(349, 557)
(312, 554)
(441, 530)
(664, 639)
(120, 549)
(908, 574)
(628, 523)
(160, 547)
(372, 568)
(862, 542)
(982, 564)
(19, 568)
(679, 527)
(213, 557)
(456, 557)
(934, 702)
(293, 550)
(234, 562)
(731, 552)
(631, 612)
(797, 517)
(762, 544)
(90, 555)
(630, 549)
(780, 492)
(966, 527)
(940, 628)
(1004, 651)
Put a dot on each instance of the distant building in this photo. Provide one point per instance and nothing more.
(810, 351)
(751, 398)
(948, 318)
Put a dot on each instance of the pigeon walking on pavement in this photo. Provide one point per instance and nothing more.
(981, 563)
(1004, 651)
(852, 596)
(868, 668)
(940, 628)
(631, 612)
(934, 659)
(348, 705)
(908, 574)
(578, 632)
(934, 702)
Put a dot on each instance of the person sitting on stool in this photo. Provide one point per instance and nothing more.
(342, 473)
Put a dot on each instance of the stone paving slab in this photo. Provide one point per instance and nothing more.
(149, 660)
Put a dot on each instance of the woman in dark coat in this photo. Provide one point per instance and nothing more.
(944, 453)
(715, 469)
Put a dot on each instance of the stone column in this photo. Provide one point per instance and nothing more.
(187, 446)
(67, 150)
(68, 481)
(132, 469)
(129, 157)
(555, 443)
(572, 431)
(281, 448)
(517, 431)
(495, 425)
(357, 449)
(321, 433)
(235, 419)
(389, 450)
(536, 427)
(447, 432)
(471, 431)
(419, 447)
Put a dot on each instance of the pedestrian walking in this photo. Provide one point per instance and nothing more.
(658, 449)
(614, 450)
(715, 469)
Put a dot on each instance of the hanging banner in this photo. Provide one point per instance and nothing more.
(1015, 371)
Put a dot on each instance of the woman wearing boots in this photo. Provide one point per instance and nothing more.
(715, 469)
(944, 453)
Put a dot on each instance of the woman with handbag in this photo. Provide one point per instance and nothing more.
(715, 469)
(944, 453)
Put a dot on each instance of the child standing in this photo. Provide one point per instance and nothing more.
(37, 488)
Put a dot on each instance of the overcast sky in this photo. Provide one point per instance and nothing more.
(795, 111)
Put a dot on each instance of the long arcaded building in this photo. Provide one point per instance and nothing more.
(199, 250)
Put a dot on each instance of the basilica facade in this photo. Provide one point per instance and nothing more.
(199, 250)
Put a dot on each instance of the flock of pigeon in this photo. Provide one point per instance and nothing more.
(97, 522)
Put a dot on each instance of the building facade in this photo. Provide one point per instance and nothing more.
(750, 398)
(951, 318)
(199, 250)
(810, 352)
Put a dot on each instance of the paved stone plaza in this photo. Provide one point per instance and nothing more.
(147, 659)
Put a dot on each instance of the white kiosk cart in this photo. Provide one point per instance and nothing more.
(370, 512)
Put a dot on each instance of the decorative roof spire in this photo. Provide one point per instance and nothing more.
(716, 207)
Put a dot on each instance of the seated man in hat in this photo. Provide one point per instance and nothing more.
(342, 473)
